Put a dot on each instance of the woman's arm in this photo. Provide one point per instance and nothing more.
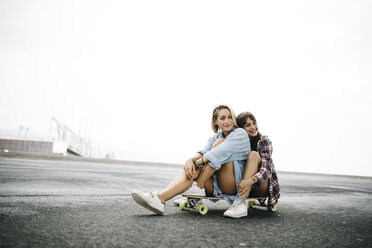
(196, 159)
(236, 146)
(265, 149)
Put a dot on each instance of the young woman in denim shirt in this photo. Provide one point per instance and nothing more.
(216, 169)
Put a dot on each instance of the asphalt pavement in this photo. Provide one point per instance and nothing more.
(61, 203)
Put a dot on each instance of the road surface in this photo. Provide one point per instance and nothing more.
(51, 203)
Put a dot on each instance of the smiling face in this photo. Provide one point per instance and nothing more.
(224, 120)
(251, 127)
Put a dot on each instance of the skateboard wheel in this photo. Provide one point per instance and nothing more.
(184, 205)
(201, 208)
(272, 208)
(252, 204)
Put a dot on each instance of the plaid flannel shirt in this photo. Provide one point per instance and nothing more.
(267, 169)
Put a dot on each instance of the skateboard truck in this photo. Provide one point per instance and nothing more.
(201, 208)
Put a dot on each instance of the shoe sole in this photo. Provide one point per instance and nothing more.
(139, 199)
(235, 217)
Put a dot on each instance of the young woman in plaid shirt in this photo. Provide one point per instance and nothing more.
(259, 178)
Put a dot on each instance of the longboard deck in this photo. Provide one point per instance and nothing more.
(220, 198)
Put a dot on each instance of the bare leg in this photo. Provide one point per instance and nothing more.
(175, 181)
(251, 168)
(209, 187)
(180, 184)
(205, 175)
(226, 178)
(207, 171)
(261, 190)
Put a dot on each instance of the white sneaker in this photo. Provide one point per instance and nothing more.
(177, 201)
(194, 190)
(237, 210)
(149, 201)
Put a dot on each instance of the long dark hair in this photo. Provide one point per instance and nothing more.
(241, 120)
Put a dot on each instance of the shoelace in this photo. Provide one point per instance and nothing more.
(152, 194)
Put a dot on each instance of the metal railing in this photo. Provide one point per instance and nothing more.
(76, 144)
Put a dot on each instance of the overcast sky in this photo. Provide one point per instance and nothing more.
(142, 77)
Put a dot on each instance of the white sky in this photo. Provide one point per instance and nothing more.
(144, 76)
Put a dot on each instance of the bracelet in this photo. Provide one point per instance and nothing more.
(253, 180)
(202, 161)
(197, 166)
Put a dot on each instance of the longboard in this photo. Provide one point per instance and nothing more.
(193, 201)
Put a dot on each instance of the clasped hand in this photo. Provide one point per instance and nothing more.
(244, 186)
(189, 169)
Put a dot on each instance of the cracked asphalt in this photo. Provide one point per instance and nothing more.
(61, 203)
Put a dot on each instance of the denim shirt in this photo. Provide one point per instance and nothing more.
(235, 147)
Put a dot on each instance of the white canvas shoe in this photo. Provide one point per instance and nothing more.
(177, 201)
(194, 190)
(237, 210)
(149, 201)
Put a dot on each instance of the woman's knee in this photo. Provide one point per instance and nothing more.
(226, 169)
(217, 142)
(253, 155)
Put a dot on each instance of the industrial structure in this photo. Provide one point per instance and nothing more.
(76, 145)
(62, 140)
